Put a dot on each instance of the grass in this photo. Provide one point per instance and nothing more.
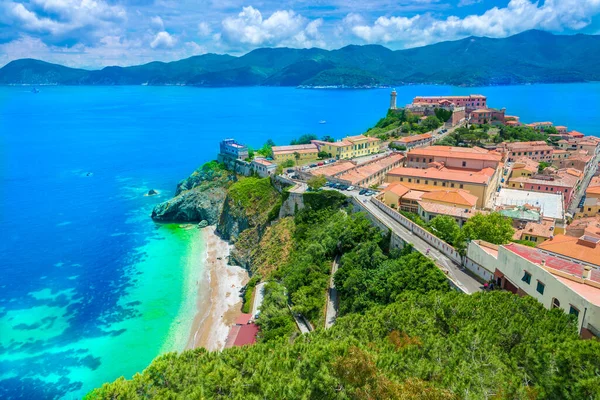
(255, 195)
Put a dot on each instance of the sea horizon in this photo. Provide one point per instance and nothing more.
(108, 289)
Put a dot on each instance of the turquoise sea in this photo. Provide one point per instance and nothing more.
(90, 288)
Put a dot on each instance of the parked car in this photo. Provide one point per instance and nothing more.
(320, 164)
(363, 191)
(369, 193)
(290, 170)
(313, 165)
(350, 188)
(343, 187)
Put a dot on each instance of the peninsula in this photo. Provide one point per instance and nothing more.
(528, 57)
(433, 255)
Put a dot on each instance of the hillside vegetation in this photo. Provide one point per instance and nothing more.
(532, 56)
(402, 332)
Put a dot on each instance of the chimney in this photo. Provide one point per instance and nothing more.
(586, 272)
(543, 263)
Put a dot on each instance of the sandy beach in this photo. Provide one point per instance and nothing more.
(219, 301)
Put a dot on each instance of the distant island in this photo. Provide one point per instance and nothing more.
(529, 57)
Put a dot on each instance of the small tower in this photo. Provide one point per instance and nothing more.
(393, 100)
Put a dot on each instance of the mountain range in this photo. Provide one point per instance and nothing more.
(529, 57)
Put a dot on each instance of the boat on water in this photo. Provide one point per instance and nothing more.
(322, 121)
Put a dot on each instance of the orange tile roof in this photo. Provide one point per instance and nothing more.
(262, 162)
(575, 134)
(436, 208)
(526, 163)
(474, 153)
(572, 247)
(397, 188)
(333, 169)
(371, 168)
(414, 138)
(544, 229)
(453, 197)
(300, 149)
(414, 195)
(482, 177)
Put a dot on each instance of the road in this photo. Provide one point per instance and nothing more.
(456, 273)
(573, 208)
(332, 298)
(259, 295)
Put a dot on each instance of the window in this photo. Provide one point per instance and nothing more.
(418, 181)
(427, 182)
(461, 186)
(464, 163)
(526, 277)
(452, 185)
(409, 179)
(540, 287)
(431, 160)
(434, 183)
(401, 179)
(444, 184)
(573, 310)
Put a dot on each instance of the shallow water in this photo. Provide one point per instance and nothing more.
(91, 289)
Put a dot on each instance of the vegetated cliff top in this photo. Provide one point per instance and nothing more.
(528, 57)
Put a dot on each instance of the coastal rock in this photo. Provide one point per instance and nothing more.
(198, 197)
(203, 224)
(152, 192)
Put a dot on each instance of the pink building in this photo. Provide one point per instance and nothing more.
(564, 182)
(470, 102)
(561, 129)
(474, 158)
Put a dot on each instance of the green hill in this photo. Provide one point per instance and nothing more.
(529, 57)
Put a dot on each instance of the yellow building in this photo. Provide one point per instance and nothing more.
(305, 152)
(591, 205)
(524, 167)
(478, 183)
(350, 147)
(536, 232)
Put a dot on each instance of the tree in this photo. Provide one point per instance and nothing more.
(493, 228)
(297, 157)
(323, 154)
(446, 228)
(543, 165)
(266, 149)
(316, 182)
(328, 138)
(430, 123)
(304, 139)
(443, 115)
(288, 164)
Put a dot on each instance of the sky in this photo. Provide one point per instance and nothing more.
(98, 33)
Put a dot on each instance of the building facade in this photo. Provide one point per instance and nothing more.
(231, 149)
(490, 116)
(474, 158)
(350, 147)
(470, 102)
(301, 153)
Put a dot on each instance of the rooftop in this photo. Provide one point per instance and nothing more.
(569, 273)
(474, 153)
(436, 208)
(371, 168)
(472, 96)
(414, 138)
(534, 145)
(481, 177)
(397, 188)
(246, 335)
(544, 229)
(454, 197)
(333, 169)
(550, 204)
(584, 249)
(520, 213)
(526, 164)
(262, 161)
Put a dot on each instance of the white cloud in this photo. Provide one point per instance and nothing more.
(282, 28)
(204, 29)
(517, 16)
(163, 40)
(157, 22)
(63, 20)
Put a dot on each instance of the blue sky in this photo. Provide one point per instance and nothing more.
(96, 33)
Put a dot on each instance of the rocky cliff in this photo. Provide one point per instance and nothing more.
(250, 205)
(199, 197)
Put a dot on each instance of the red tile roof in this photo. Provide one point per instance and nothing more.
(246, 335)
(481, 177)
(466, 153)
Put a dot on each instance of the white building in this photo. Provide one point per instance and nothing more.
(263, 167)
(555, 282)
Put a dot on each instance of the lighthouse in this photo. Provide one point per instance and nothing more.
(393, 100)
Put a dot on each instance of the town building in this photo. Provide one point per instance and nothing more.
(560, 129)
(591, 204)
(263, 167)
(551, 280)
(576, 135)
(427, 109)
(582, 250)
(540, 126)
(370, 173)
(536, 150)
(490, 116)
(350, 147)
(521, 215)
(563, 181)
(524, 167)
(233, 150)
(470, 102)
(481, 183)
(413, 141)
(301, 153)
(581, 162)
(474, 158)
(524, 206)
(589, 226)
(536, 232)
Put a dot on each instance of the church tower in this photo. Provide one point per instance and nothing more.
(393, 100)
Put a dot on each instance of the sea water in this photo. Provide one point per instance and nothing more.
(90, 288)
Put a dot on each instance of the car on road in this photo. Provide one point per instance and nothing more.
(320, 164)
(363, 191)
(369, 193)
(313, 165)
(350, 188)
(343, 187)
